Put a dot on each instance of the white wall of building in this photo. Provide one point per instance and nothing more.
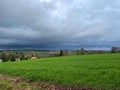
(1, 60)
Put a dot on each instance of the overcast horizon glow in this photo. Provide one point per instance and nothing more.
(56, 24)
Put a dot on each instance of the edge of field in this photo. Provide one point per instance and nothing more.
(16, 83)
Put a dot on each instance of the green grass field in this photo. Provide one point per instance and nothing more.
(96, 71)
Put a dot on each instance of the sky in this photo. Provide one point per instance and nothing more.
(59, 24)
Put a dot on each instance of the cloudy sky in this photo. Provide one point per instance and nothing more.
(56, 24)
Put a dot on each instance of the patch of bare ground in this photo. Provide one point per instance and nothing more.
(11, 83)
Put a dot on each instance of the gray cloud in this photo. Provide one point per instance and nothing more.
(59, 23)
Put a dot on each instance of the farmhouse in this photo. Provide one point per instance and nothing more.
(17, 59)
(1, 60)
(116, 49)
(33, 57)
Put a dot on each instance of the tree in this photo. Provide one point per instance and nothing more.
(78, 52)
(61, 52)
(22, 56)
(13, 56)
(3, 56)
(82, 51)
(113, 50)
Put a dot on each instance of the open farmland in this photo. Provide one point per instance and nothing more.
(94, 71)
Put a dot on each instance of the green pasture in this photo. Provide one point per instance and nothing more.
(96, 71)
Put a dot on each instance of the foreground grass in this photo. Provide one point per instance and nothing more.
(96, 71)
(10, 85)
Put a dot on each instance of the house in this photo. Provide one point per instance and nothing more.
(17, 59)
(33, 57)
(115, 49)
(1, 60)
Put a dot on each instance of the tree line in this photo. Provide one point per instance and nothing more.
(13, 56)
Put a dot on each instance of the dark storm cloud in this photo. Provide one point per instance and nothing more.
(59, 23)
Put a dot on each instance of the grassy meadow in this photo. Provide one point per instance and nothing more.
(96, 71)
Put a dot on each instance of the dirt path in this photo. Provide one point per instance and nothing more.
(10, 83)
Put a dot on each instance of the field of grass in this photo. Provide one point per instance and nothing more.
(96, 71)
